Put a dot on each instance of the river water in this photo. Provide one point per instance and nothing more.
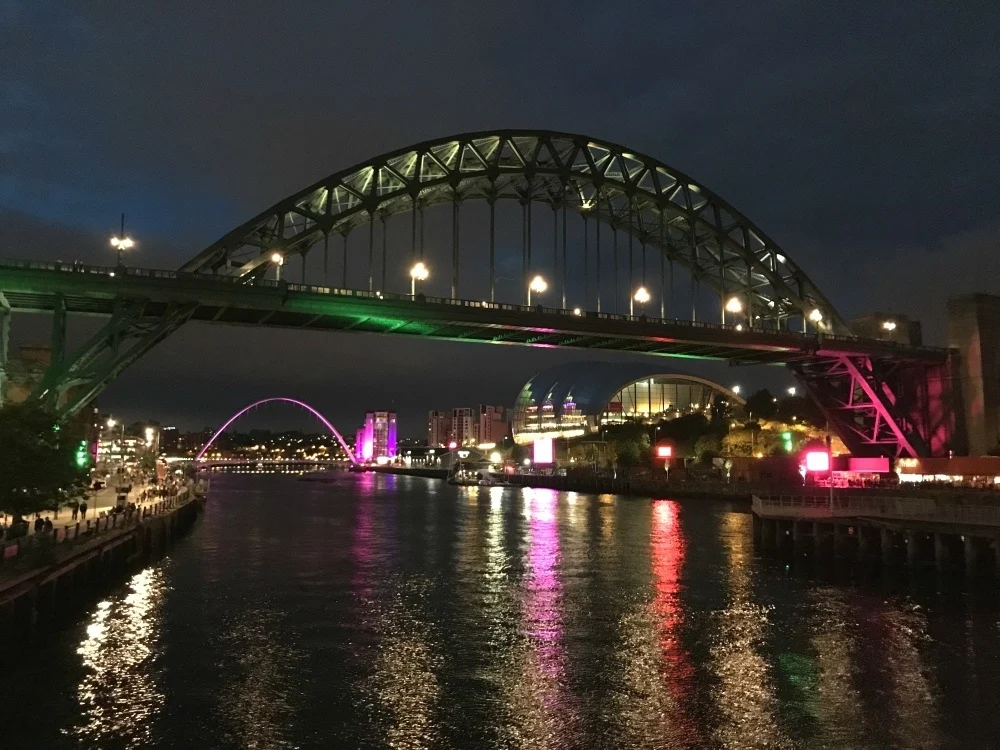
(382, 611)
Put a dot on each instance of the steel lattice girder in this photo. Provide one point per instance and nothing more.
(657, 204)
(882, 406)
(70, 385)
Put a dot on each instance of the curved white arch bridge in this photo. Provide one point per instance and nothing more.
(639, 225)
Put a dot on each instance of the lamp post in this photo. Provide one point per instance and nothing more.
(279, 260)
(734, 306)
(537, 285)
(419, 272)
(121, 441)
(642, 297)
(122, 241)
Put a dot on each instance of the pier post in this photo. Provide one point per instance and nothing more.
(912, 549)
(888, 543)
(941, 557)
(973, 554)
(864, 542)
(799, 536)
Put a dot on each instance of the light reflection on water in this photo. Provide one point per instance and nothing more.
(118, 695)
(398, 612)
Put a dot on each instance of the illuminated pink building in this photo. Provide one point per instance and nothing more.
(377, 437)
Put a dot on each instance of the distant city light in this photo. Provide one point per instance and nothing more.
(791, 390)
(495, 457)
(452, 445)
(889, 325)
(735, 389)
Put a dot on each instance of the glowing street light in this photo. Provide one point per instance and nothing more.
(419, 272)
(122, 241)
(816, 316)
(279, 260)
(734, 305)
(791, 390)
(537, 285)
(889, 325)
(735, 389)
(641, 296)
(577, 311)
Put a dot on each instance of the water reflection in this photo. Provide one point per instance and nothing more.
(496, 618)
(119, 697)
(543, 709)
(260, 667)
(745, 701)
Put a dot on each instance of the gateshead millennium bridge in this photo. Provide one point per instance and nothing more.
(744, 299)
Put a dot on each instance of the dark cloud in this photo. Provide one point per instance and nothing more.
(859, 137)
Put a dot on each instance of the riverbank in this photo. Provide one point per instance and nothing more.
(67, 568)
(605, 485)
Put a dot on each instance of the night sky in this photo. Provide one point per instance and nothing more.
(861, 137)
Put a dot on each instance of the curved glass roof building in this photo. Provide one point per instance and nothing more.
(576, 398)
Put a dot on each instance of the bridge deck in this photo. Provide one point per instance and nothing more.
(36, 287)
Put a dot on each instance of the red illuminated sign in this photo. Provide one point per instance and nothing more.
(664, 451)
(817, 461)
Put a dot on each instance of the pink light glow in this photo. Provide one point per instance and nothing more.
(664, 451)
(241, 412)
(543, 451)
(817, 461)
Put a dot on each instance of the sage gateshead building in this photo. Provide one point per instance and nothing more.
(577, 398)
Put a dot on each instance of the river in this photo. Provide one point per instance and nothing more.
(399, 612)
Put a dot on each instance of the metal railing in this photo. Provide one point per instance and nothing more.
(889, 507)
(86, 530)
(148, 273)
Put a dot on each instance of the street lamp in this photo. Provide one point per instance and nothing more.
(734, 305)
(419, 272)
(791, 390)
(735, 389)
(641, 296)
(122, 243)
(537, 285)
(279, 260)
(816, 316)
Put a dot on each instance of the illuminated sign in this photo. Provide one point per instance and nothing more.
(543, 451)
(664, 451)
(817, 461)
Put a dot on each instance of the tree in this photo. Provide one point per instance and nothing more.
(44, 464)
(708, 447)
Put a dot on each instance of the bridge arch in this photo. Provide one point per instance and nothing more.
(300, 404)
(658, 205)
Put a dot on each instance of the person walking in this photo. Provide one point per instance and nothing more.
(83, 510)
(75, 511)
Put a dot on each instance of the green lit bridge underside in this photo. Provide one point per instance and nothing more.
(36, 288)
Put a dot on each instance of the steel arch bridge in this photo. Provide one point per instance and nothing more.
(657, 205)
(881, 398)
